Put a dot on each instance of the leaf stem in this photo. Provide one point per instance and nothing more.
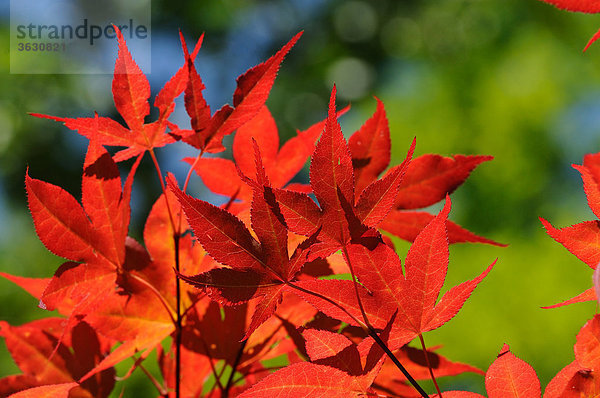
(391, 355)
(373, 332)
(189, 174)
(429, 365)
(178, 325)
(355, 283)
(161, 389)
(162, 185)
(236, 362)
(156, 292)
(178, 322)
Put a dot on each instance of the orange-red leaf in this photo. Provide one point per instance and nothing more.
(407, 225)
(583, 240)
(429, 178)
(60, 222)
(587, 347)
(130, 87)
(509, 376)
(332, 178)
(48, 391)
(221, 234)
(370, 148)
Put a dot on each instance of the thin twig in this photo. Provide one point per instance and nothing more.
(429, 365)
(355, 283)
(178, 326)
(157, 293)
(236, 362)
(391, 355)
(374, 334)
(212, 366)
(176, 236)
(161, 389)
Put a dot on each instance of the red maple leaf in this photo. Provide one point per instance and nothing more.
(281, 164)
(131, 91)
(92, 236)
(258, 269)
(413, 294)
(389, 382)
(252, 90)
(344, 178)
(100, 281)
(583, 239)
(34, 349)
(338, 368)
(427, 180)
(507, 377)
(342, 214)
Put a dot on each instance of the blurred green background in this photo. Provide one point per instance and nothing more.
(500, 77)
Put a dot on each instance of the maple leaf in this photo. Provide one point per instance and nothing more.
(342, 214)
(281, 164)
(427, 179)
(96, 235)
(389, 382)
(257, 269)
(583, 239)
(136, 317)
(252, 91)
(131, 91)
(93, 234)
(33, 347)
(587, 6)
(338, 368)
(352, 194)
(573, 381)
(387, 289)
(508, 376)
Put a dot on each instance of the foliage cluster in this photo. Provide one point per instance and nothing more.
(272, 272)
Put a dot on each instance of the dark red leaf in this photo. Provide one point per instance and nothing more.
(331, 176)
(407, 225)
(221, 234)
(429, 178)
(370, 148)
